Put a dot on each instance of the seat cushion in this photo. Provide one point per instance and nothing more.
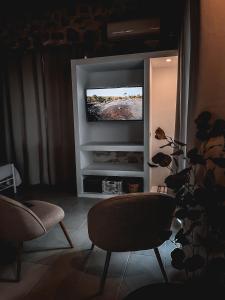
(48, 213)
(18, 222)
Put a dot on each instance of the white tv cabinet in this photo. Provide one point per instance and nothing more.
(118, 136)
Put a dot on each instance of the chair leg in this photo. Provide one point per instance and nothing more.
(66, 234)
(104, 274)
(157, 254)
(18, 260)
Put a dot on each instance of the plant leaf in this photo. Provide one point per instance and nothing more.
(181, 213)
(213, 146)
(160, 134)
(179, 233)
(178, 152)
(162, 159)
(178, 264)
(219, 161)
(177, 254)
(182, 240)
(176, 181)
(194, 263)
(180, 237)
(185, 171)
(178, 257)
(152, 165)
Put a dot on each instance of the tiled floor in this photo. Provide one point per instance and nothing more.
(61, 273)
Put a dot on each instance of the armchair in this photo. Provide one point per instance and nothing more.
(131, 222)
(21, 222)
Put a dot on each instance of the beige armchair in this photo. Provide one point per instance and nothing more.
(131, 222)
(21, 223)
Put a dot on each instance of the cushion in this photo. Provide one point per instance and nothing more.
(49, 214)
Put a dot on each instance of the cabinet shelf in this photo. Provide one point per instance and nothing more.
(111, 146)
(96, 195)
(114, 169)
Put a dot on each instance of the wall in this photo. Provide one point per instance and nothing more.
(210, 93)
(162, 110)
(211, 78)
(82, 25)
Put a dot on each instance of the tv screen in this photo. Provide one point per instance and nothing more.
(115, 104)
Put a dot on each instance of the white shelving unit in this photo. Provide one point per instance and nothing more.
(111, 136)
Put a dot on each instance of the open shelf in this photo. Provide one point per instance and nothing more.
(108, 186)
(113, 146)
(114, 169)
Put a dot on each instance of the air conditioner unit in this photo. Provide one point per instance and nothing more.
(133, 28)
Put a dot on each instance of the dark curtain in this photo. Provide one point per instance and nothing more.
(187, 70)
(2, 131)
(36, 104)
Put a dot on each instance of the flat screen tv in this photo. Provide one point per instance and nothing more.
(114, 104)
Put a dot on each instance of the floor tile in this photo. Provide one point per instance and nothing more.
(92, 275)
(30, 275)
(142, 270)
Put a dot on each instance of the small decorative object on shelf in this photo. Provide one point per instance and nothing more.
(110, 186)
(133, 187)
(199, 189)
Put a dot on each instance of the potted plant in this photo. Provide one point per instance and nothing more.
(199, 189)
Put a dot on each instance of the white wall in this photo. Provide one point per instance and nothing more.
(211, 76)
(163, 89)
(210, 88)
(210, 71)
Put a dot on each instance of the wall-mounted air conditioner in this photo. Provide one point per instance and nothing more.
(133, 28)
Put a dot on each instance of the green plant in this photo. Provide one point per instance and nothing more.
(200, 197)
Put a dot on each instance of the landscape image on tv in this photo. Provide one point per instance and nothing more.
(123, 103)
